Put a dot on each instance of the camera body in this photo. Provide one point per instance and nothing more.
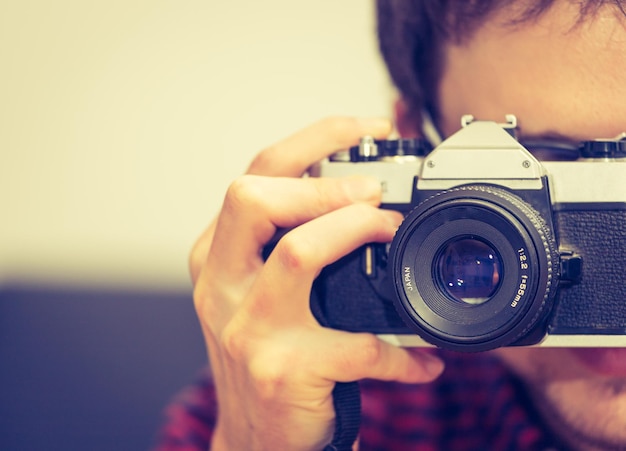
(496, 249)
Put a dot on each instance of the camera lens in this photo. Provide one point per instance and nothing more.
(468, 270)
(472, 268)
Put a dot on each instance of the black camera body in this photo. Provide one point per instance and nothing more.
(496, 249)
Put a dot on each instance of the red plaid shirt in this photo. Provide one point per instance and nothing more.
(475, 405)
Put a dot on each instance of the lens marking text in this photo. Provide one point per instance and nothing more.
(523, 260)
(408, 283)
(521, 291)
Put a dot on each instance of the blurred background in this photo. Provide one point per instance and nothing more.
(121, 125)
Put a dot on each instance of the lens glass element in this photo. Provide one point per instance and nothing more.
(468, 270)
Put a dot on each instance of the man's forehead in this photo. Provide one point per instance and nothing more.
(557, 76)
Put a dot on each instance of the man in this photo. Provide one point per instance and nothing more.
(559, 67)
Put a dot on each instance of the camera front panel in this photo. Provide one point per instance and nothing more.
(597, 303)
(345, 297)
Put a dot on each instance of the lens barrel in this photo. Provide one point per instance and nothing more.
(473, 268)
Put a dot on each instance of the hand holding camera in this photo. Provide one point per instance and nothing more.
(273, 364)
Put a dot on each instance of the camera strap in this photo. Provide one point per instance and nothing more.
(347, 403)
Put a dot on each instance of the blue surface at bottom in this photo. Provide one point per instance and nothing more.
(92, 370)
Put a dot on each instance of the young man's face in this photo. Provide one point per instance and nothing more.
(566, 78)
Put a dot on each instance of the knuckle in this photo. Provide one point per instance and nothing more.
(244, 191)
(295, 253)
(370, 349)
(209, 312)
(235, 345)
(268, 377)
(266, 372)
(203, 300)
(263, 161)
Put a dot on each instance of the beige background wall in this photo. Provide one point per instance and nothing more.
(122, 121)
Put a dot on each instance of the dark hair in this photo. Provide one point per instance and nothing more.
(412, 34)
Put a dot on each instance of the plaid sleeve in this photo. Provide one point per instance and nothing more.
(190, 418)
(476, 404)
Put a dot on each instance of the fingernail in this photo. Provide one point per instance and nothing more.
(377, 126)
(394, 217)
(433, 365)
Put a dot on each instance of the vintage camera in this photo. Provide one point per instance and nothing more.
(497, 248)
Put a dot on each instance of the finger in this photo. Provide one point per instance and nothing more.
(363, 355)
(256, 206)
(281, 292)
(200, 251)
(292, 156)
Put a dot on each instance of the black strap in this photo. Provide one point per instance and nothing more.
(347, 402)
